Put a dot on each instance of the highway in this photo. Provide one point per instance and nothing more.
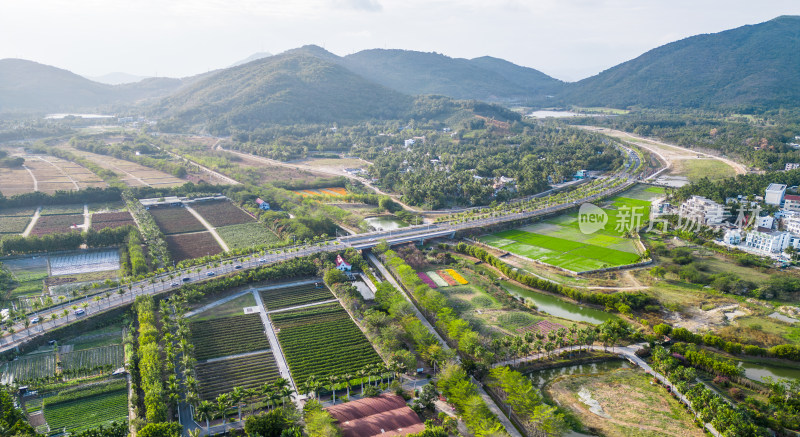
(175, 279)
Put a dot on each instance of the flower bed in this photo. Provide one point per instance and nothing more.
(427, 280)
(455, 275)
(450, 281)
(437, 279)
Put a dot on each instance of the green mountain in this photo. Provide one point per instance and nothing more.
(288, 88)
(754, 66)
(486, 78)
(27, 86)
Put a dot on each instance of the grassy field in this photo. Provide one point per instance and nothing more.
(558, 241)
(233, 307)
(628, 404)
(696, 169)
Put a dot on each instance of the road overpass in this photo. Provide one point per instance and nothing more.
(173, 280)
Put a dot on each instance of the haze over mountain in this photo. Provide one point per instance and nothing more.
(287, 88)
(750, 66)
(28, 86)
(251, 58)
(117, 78)
(756, 65)
(420, 73)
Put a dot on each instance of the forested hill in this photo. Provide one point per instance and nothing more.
(754, 66)
(27, 86)
(486, 78)
(286, 89)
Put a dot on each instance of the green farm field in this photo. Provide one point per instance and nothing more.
(558, 241)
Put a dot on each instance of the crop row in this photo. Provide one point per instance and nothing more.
(175, 220)
(315, 314)
(247, 235)
(251, 371)
(53, 224)
(13, 225)
(222, 213)
(111, 220)
(88, 412)
(189, 246)
(100, 356)
(228, 336)
(292, 296)
(322, 347)
(36, 366)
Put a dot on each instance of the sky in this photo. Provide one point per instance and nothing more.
(567, 39)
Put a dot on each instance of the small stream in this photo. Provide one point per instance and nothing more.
(541, 377)
(385, 223)
(757, 372)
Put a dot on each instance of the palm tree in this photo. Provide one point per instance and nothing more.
(237, 394)
(361, 374)
(85, 305)
(223, 402)
(286, 392)
(204, 411)
(346, 380)
(332, 381)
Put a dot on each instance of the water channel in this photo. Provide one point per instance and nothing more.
(557, 307)
(385, 223)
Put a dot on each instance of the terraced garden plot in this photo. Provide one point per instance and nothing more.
(278, 298)
(322, 341)
(91, 358)
(17, 212)
(15, 181)
(61, 209)
(251, 371)
(29, 367)
(88, 412)
(189, 246)
(13, 225)
(222, 213)
(57, 224)
(105, 220)
(175, 220)
(246, 235)
(228, 336)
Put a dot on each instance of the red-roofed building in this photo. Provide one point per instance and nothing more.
(384, 415)
(342, 265)
(791, 202)
(261, 204)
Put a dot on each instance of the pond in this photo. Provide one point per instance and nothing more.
(385, 223)
(757, 372)
(87, 116)
(541, 377)
(557, 307)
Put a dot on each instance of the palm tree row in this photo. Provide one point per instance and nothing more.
(313, 384)
(270, 393)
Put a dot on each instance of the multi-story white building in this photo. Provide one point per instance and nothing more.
(792, 224)
(791, 202)
(702, 210)
(775, 193)
(768, 241)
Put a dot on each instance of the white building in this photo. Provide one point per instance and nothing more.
(768, 241)
(702, 210)
(792, 224)
(792, 166)
(767, 222)
(733, 236)
(775, 193)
